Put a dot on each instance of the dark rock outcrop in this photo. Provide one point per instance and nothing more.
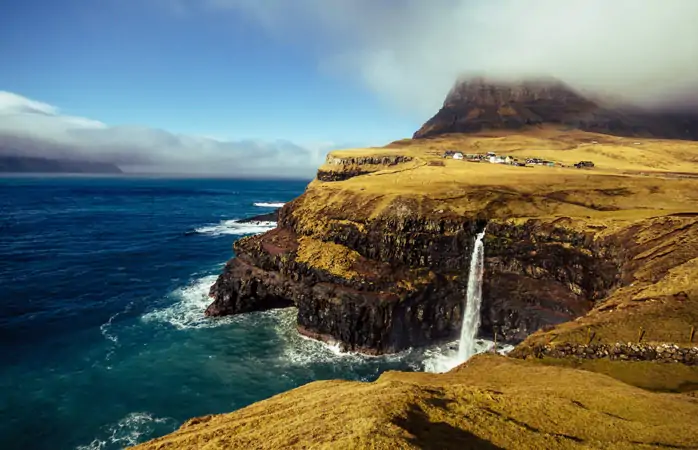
(479, 104)
(268, 217)
(409, 277)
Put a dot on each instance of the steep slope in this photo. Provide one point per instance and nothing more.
(488, 403)
(479, 104)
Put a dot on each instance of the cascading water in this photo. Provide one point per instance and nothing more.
(471, 316)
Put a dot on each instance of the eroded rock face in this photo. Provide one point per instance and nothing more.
(404, 278)
(357, 166)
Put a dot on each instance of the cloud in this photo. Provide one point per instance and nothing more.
(411, 51)
(32, 128)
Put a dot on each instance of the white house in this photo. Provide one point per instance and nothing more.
(458, 155)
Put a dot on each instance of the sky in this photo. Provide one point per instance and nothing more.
(269, 86)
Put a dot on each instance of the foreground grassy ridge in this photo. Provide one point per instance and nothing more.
(490, 402)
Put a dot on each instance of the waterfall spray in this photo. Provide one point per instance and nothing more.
(473, 300)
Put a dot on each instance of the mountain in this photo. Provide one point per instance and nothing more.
(28, 164)
(479, 104)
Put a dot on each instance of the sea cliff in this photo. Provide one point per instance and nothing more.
(585, 270)
(376, 258)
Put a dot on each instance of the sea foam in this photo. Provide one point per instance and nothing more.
(188, 309)
(236, 228)
(269, 204)
(133, 429)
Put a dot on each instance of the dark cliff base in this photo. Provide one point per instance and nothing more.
(268, 217)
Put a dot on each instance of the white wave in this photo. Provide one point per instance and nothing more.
(299, 350)
(188, 310)
(129, 431)
(269, 205)
(236, 228)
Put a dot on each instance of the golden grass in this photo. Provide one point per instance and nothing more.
(618, 188)
(328, 256)
(490, 402)
(648, 375)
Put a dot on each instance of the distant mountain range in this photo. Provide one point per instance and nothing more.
(478, 104)
(28, 164)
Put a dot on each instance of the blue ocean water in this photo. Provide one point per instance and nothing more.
(103, 284)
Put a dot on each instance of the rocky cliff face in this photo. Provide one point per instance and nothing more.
(375, 254)
(387, 284)
(479, 104)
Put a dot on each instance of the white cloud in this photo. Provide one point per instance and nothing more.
(32, 128)
(411, 51)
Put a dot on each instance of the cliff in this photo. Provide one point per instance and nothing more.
(477, 104)
(375, 253)
(489, 403)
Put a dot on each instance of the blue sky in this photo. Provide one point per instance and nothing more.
(200, 71)
(259, 86)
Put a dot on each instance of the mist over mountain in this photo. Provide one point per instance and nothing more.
(477, 104)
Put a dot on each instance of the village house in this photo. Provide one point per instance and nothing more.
(491, 157)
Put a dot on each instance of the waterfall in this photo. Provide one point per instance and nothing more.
(471, 315)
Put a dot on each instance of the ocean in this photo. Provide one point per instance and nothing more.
(103, 285)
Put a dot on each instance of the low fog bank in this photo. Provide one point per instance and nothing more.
(33, 129)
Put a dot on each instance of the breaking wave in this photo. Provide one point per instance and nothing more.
(237, 228)
(131, 430)
(304, 351)
(301, 350)
(269, 204)
(188, 310)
